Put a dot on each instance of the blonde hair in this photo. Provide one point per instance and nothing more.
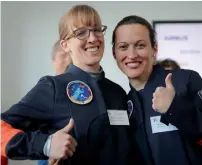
(78, 15)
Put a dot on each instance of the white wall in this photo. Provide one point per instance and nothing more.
(29, 30)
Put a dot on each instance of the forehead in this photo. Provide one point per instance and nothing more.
(85, 20)
(132, 33)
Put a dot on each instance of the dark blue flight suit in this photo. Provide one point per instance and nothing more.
(47, 107)
(176, 147)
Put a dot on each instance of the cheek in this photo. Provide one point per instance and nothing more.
(120, 56)
(144, 53)
(102, 43)
(146, 56)
(76, 46)
(101, 39)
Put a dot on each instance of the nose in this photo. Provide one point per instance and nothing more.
(132, 53)
(92, 37)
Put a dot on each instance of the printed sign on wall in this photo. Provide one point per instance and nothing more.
(181, 41)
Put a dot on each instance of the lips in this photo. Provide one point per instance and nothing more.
(133, 65)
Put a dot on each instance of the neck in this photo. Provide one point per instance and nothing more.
(89, 68)
(139, 82)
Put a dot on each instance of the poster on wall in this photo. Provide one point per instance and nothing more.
(180, 41)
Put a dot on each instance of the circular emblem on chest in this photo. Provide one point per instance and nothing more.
(79, 92)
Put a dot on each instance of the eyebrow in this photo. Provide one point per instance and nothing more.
(123, 42)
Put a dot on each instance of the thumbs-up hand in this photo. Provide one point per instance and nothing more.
(63, 145)
(163, 97)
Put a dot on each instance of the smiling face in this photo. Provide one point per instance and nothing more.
(86, 52)
(133, 51)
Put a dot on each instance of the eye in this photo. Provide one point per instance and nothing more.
(140, 46)
(81, 33)
(123, 47)
(98, 29)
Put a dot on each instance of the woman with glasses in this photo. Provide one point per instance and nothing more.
(81, 113)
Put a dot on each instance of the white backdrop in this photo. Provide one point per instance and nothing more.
(29, 30)
(181, 42)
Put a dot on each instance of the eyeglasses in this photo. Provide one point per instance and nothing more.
(83, 33)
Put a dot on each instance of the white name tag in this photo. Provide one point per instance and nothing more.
(157, 126)
(118, 117)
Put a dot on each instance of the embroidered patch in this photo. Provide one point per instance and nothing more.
(130, 107)
(79, 92)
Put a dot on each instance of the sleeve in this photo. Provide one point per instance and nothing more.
(4, 160)
(20, 138)
(187, 116)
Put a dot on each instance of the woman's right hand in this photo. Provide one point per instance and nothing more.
(63, 145)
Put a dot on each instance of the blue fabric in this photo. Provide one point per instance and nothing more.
(51, 109)
(166, 148)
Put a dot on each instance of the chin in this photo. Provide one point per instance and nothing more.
(132, 74)
(94, 62)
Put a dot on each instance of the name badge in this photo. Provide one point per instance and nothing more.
(158, 127)
(118, 117)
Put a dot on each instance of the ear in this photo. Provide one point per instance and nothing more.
(155, 50)
(113, 51)
(154, 54)
(64, 46)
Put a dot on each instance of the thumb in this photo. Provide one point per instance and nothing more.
(69, 126)
(168, 81)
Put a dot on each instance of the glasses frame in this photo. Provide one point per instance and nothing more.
(90, 30)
